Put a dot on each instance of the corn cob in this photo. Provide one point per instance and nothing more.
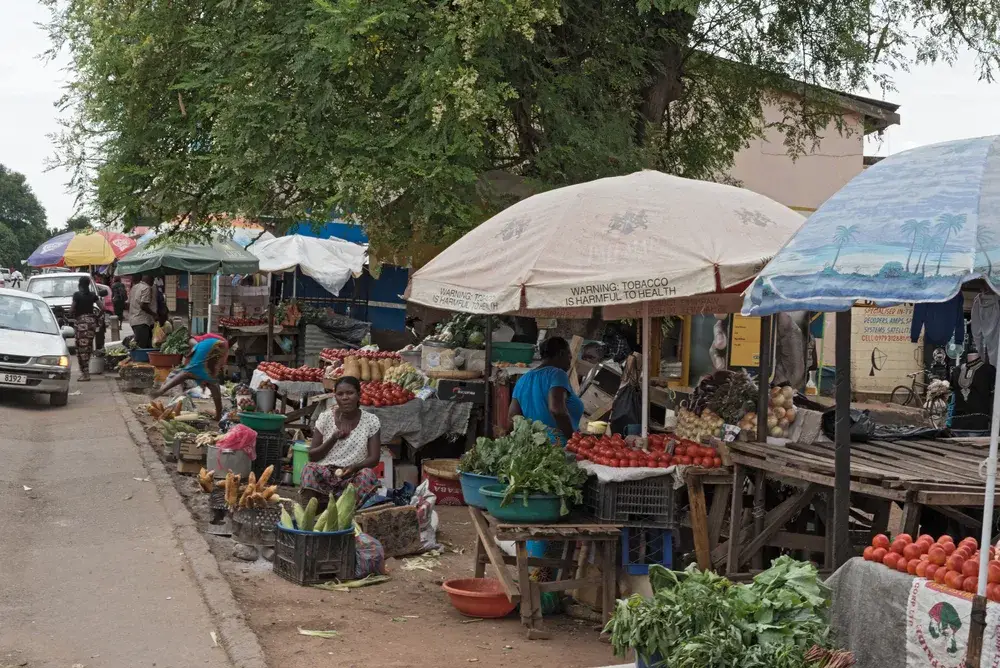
(269, 491)
(265, 476)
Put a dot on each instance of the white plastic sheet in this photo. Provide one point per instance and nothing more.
(329, 262)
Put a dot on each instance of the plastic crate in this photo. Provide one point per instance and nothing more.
(272, 446)
(644, 546)
(306, 557)
(648, 502)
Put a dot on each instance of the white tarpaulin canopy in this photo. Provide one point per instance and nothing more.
(616, 241)
(329, 262)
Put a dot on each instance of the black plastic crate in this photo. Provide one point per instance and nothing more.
(648, 502)
(272, 446)
(306, 557)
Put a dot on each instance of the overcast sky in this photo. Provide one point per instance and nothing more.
(936, 104)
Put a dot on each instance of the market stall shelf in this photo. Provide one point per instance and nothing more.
(600, 540)
(917, 474)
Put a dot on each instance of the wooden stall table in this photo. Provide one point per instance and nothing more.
(706, 524)
(600, 539)
(942, 474)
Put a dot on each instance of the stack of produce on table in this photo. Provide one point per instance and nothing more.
(171, 428)
(114, 354)
(698, 619)
(242, 322)
(176, 342)
(380, 394)
(368, 368)
(338, 516)
(407, 376)
(462, 330)
(256, 493)
(696, 427)
(781, 413)
(939, 560)
(528, 463)
(287, 314)
(333, 354)
(661, 451)
(722, 397)
(280, 372)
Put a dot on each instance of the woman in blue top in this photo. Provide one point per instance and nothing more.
(544, 394)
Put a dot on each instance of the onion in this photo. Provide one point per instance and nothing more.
(771, 421)
(779, 412)
(783, 423)
(776, 432)
(778, 401)
(790, 414)
(788, 392)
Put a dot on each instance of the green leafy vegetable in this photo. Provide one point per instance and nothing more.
(698, 619)
(528, 462)
(176, 342)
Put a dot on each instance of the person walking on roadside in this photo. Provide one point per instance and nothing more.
(141, 314)
(15, 278)
(86, 306)
(119, 297)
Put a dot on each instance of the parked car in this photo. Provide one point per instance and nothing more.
(33, 353)
(57, 290)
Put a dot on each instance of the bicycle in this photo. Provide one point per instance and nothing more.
(904, 396)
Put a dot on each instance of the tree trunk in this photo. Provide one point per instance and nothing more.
(667, 68)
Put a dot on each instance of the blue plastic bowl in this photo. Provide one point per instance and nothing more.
(652, 662)
(142, 354)
(523, 507)
(471, 484)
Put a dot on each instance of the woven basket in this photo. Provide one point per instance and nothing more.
(441, 468)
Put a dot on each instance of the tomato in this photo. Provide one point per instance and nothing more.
(867, 554)
(971, 584)
(911, 551)
(680, 450)
(890, 559)
(949, 548)
(878, 554)
(970, 541)
(971, 568)
(931, 570)
(945, 539)
(993, 572)
(940, 574)
(955, 563)
(993, 592)
(936, 555)
(911, 566)
(716, 462)
(881, 540)
(898, 546)
(683, 460)
(902, 565)
(925, 537)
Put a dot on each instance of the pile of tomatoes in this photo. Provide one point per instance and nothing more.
(939, 560)
(280, 372)
(331, 354)
(663, 452)
(379, 394)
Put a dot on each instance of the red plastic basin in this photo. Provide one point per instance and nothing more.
(478, 597)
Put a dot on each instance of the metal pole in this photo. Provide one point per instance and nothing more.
(842, 450)
(270, 318)
(991, 483)
(645, 369)
(488, 370)
(763, 378)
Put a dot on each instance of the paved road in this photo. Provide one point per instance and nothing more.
(90, 571)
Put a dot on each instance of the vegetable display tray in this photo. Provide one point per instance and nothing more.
(523, 508)
(307, 557)
(471, 484)
(262, 421)
(647, 503)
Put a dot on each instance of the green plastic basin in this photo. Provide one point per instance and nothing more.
(263, 421)
(513, 352)
(523, 508)
(300, 457)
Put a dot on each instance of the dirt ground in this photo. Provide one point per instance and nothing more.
(407, 622)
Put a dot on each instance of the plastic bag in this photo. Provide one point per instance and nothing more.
(369, 556)
(627, 409)
(862, 425)
(158, 335)
(427, 517)
(239, 437)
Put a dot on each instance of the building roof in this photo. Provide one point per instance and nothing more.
(878, 114)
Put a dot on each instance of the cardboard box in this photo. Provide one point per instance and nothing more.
(596, 402)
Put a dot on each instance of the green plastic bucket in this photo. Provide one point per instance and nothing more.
(523, 507)
(513, 352)
(300, 457)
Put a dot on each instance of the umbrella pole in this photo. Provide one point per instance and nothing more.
(842, 439)
(991, 481)
(488, 400)
(270, 318)
(764, 377)
(645, 369)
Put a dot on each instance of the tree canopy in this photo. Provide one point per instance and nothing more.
(421, 119)
(22, 219)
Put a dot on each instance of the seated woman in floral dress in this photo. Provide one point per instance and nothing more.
(345, 448)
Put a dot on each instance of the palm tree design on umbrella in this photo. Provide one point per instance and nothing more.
(916, 228)
(984, 238)
(948, 223)
(927, 243)
(842, 235)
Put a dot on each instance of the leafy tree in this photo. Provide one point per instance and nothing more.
(22, 218)
(80, 224)
(423, 118)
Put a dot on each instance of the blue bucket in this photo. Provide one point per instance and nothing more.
(471, 483)
(142, 354)
(652, 662)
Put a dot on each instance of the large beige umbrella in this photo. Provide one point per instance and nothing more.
(630, 244)
(624, 240)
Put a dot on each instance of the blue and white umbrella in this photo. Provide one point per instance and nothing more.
(911, 228)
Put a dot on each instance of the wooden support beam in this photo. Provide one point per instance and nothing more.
(779, 519)
(745, 535)
(842, 438)
(699, 522)
(959, 516)
(732, 549)
(717, 513)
